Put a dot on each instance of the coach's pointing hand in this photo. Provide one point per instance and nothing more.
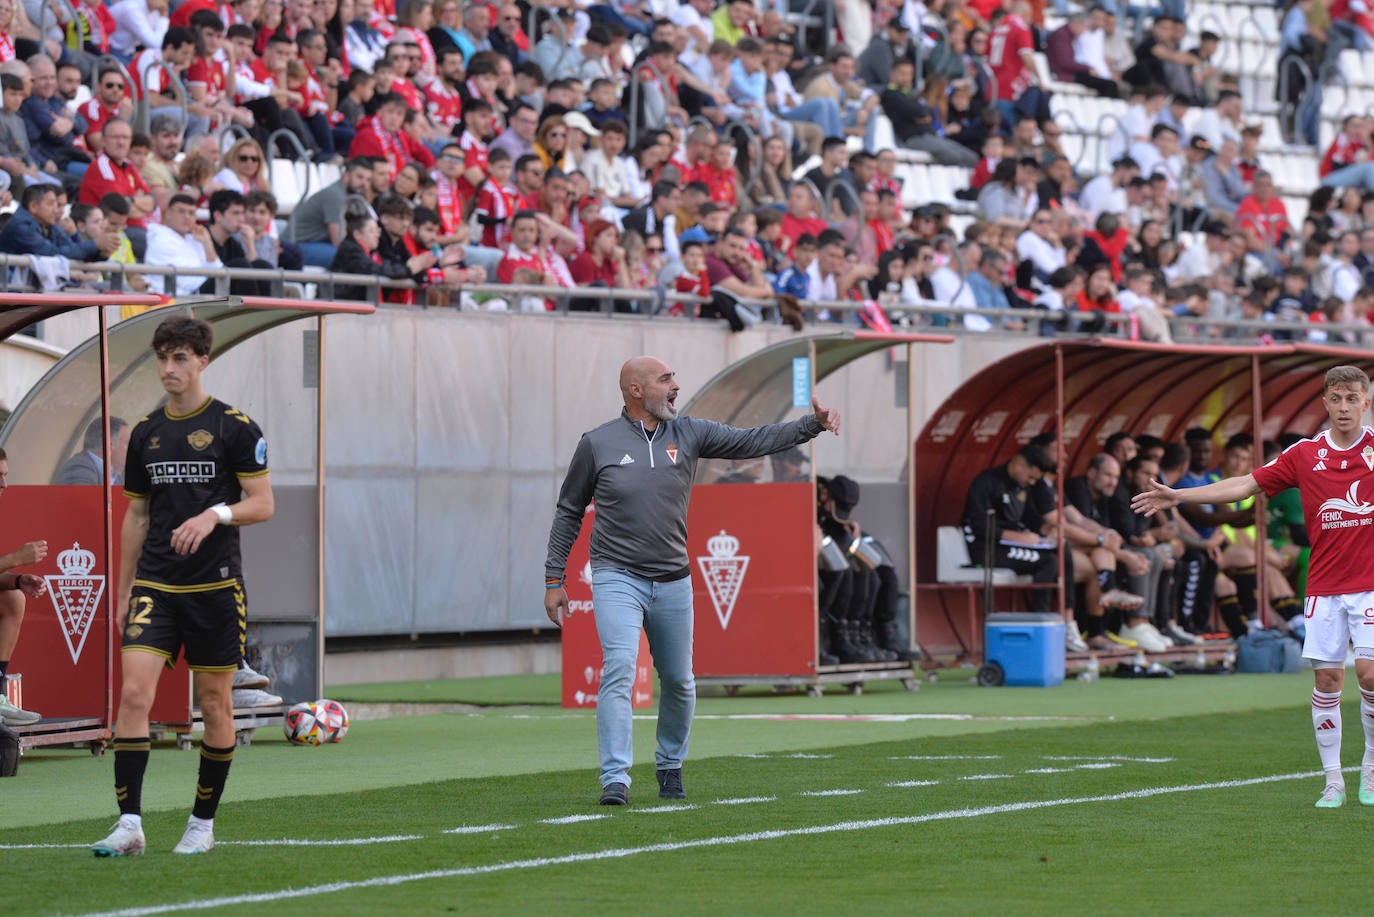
(829, 417)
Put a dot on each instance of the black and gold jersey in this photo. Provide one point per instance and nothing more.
(183, 465)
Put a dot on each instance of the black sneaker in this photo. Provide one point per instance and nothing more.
(615, 794)
(670, 784)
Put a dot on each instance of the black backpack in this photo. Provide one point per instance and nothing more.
(9, 751)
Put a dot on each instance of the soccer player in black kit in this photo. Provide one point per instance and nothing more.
(196, 470)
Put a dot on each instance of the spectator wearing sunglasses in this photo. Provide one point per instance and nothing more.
(242, 168)
(108, 102)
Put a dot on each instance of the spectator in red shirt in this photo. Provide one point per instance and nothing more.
(601, 265)
(1263, 219)
(693, 278)
(719, 175)
(800, 219)
(381, 136)
(523, 252)
(108, 102)
(114, 173)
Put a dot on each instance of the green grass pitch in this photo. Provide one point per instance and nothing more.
(1188, 796)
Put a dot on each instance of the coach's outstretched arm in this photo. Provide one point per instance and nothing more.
(1161, 496)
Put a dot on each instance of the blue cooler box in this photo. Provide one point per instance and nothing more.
(1028, 646)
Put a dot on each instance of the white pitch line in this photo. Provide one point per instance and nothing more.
(831, 793)
(987, 777)
(945, 758)
(571, 819)
(910, 783)
(617, 853)
(743, 800)
(43, 846)
(478, 829)
(344, 842)
(1126, 758)
(656, 809)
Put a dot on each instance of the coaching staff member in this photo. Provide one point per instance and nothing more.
(196, 469)
(639, 468)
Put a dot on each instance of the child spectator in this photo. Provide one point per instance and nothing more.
(794, 279)
(693, 279)
(496, 200)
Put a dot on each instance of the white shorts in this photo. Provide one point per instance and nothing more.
(1334, 622)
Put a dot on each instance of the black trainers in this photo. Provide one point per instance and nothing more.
(670, 784)
(615, 794)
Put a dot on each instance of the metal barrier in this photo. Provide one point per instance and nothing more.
(1291, 110)
(1084, 137)
(142, 108)
(632, 123)
(755, 145)
(1263, 43)
(916, 313)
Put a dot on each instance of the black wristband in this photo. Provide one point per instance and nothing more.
(15, 584)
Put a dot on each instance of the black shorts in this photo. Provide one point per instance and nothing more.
(209, 624)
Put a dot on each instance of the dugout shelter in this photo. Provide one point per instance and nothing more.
(752, 545)
(267, 362)
(1086, 390)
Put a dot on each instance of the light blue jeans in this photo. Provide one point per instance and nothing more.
(623, 604)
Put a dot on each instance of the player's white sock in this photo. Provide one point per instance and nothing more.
(133, 821)
(1326, 723)
(1367, 718)
(207, 823)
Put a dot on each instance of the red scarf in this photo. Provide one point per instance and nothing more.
(450, 205)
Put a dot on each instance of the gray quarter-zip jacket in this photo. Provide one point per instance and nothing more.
(642, 482)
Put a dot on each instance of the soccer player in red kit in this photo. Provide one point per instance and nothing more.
(1334, 473)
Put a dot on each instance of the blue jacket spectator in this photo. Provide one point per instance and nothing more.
(52, 131)
(33, 230)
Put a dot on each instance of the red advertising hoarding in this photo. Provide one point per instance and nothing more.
(62, 649)
(752, 550)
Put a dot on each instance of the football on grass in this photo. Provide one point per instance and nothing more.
(304, 724)
(333, 719)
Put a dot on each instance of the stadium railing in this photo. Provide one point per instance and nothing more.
(904, 317)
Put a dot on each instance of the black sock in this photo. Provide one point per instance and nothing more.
(1105, 580)
(214, 771)
(4, 665)
(130, 761)
(1229, 606)
(1097, 625)
(1288, 607)
(1247, 584)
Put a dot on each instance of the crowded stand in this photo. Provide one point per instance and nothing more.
(1184, 170)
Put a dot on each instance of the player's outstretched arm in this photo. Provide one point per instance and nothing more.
(1161, 497)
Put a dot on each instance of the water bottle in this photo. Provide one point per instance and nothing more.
(1092, 672)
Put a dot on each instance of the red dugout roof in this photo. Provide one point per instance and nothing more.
(1091, 389)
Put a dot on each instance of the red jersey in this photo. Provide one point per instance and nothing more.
(1005, 45)
(516, 259)
(1269, 220)
(475, 157)
(495, 207)
(96, 114)
(793, 228)
(1336, 486)
(445, 105)
(697, 285)
(983, 171)
(722, 182)
(6, 48)
(397, 149)
(406, 90)
(882, 235)
(892, 184)
(1343, 151)
(182, 15)
(105, 176)
(210, 74)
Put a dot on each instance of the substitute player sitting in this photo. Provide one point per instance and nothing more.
(196, 470)
(1334, 473)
